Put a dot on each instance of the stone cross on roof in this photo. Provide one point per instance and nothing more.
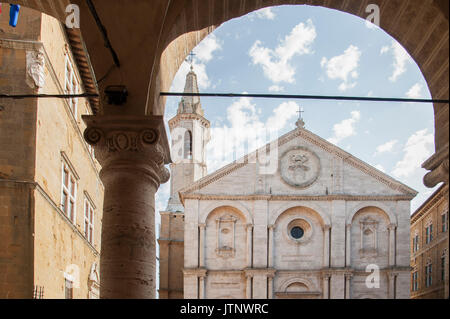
(300, 122)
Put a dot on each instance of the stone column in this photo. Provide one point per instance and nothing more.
(391, 282)
(201, 245)
(326, 246)
(132, 151)
(248, 290)
(270, 287)
(201, 287)
(348, 250)
(391, 229)
(270, 252)
(348, 277)
(249, 245)
(326, 282)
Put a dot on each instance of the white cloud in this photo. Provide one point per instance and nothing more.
(276, 63)
(276, 88)
(205, 49)
(380, 168)
(265, 13)
(386, 147)
(346, 128)
(415, 91)
(204, 52)
(343, 67)
(282, 114)
(384, 49)
(401, 58)
(418, 148)
(246, 131)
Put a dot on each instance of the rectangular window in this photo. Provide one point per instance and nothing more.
(429, 233)
(416, 243)
(442, 268)
(71, 85)
(428, 275)
(68, 193)
(68, 289)
(88, 221)
(444, 222)
(415, 281)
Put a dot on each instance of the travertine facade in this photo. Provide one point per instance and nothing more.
(312, 222)
(429, 248)
(46, 242)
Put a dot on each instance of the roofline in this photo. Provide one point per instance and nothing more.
(84, 65)
(337, 150)
(427, 201)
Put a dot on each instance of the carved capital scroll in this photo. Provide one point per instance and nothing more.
(130, 142)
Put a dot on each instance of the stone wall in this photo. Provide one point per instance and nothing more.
(40, 245)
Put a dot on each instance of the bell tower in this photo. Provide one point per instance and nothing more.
(190, 133)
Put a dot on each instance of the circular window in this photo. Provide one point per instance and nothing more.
(297, 232)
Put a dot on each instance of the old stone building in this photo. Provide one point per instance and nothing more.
(314, 226)
(299, 218)
(429, 248)
(146, 68)
(51, 196)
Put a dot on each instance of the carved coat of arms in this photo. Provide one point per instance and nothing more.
(299, 167)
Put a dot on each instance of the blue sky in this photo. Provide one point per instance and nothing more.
(312, 50)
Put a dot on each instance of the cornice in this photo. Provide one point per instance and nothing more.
(429, 203)
(296, 197)
(188, 116)
(315, 140)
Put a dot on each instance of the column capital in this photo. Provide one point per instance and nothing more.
(392, 226)
(198, 272)
(271, 227)
(326, 227)
(348, 275)
(326, 275)
(249, 226)
(128, 142)
(438, 165)
(202, 225)
(392, 274)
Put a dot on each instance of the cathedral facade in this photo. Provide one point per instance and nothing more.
(298, 218)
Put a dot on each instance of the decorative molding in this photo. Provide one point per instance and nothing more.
(429, 203)
(312, 139)
(297, 197)
(58, 210)
(130, 142)
(301, 159)
(173, 122)
(69, 163)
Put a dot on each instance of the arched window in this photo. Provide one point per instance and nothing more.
(188, 145)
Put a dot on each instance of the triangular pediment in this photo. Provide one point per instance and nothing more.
(306, 165)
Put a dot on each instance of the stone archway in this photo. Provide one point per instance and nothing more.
(426, 42)
(151, 49)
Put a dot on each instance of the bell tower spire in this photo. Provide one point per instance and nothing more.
(190, 133)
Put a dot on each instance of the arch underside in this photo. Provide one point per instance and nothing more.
(173, 28)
